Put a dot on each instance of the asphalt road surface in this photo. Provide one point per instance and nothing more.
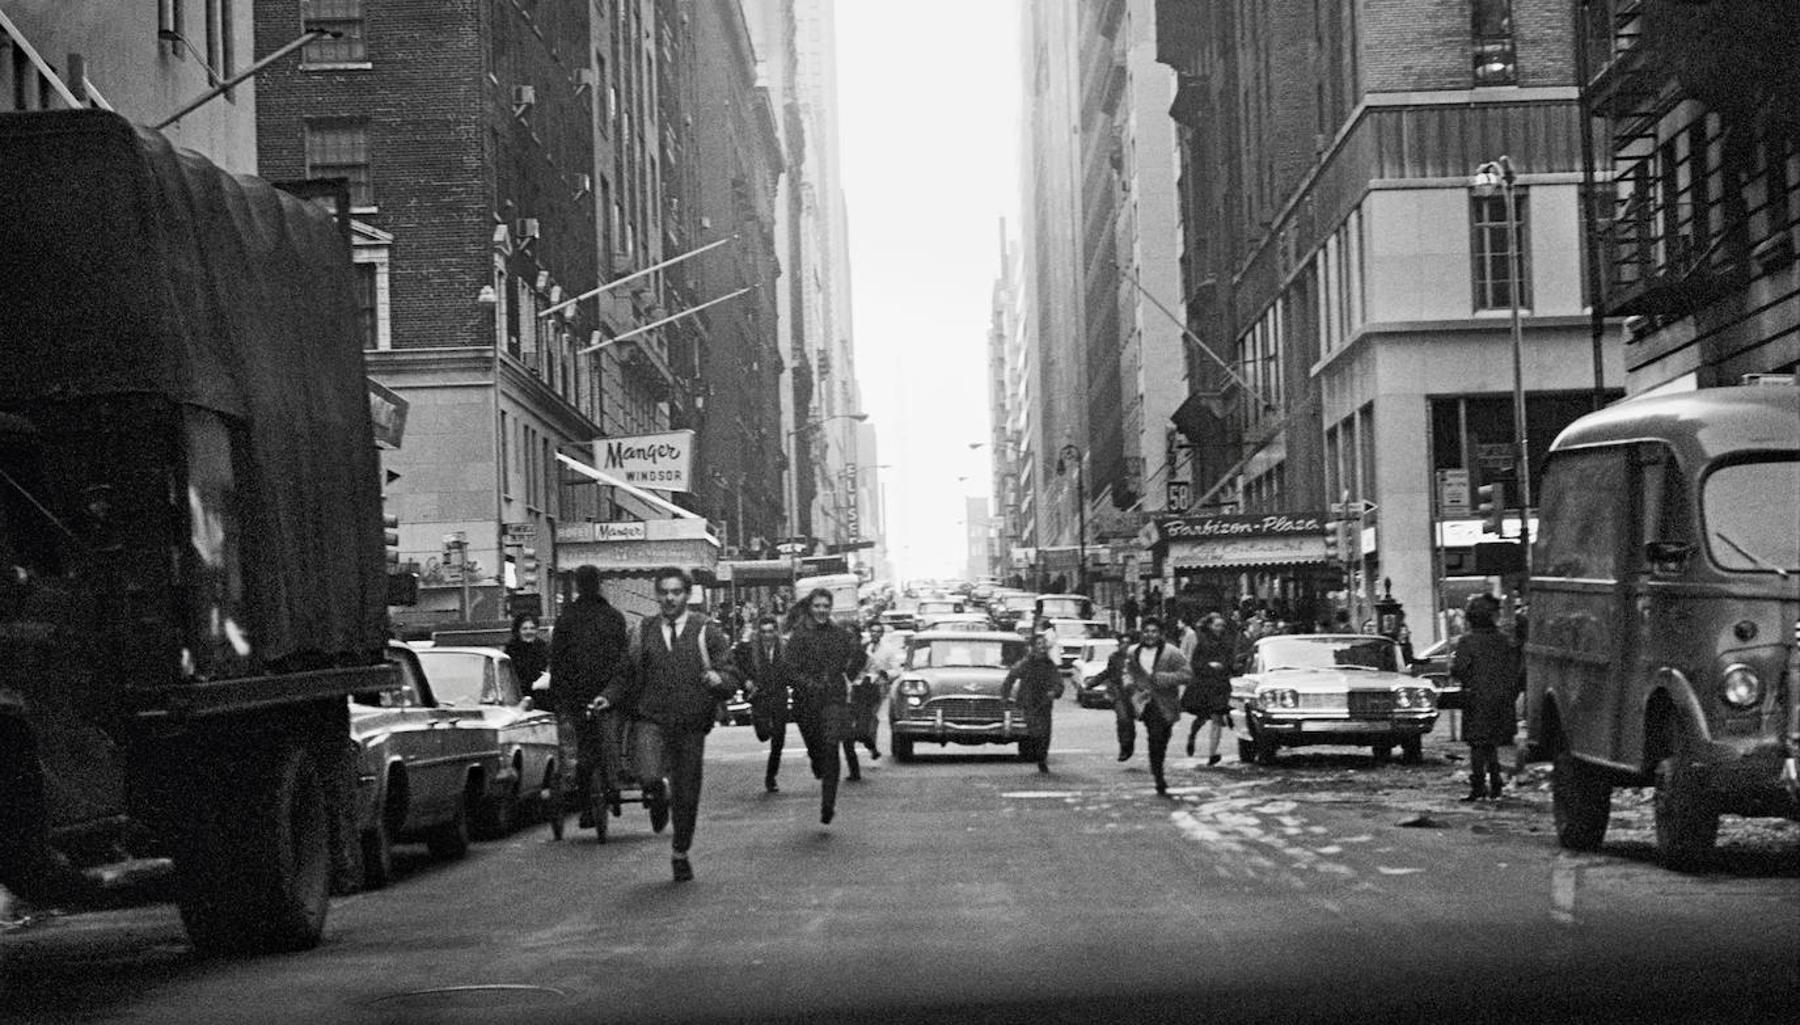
(967, 887)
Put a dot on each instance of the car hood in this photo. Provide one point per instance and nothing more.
(952, 680)
(1331, 681)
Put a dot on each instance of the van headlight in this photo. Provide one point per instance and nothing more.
(1741, 687)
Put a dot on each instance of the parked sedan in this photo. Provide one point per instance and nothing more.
(1347, 689)
(482, 680)
(949, 692)
(418, 776)
(1090, 690)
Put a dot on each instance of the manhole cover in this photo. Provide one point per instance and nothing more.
(497, 994)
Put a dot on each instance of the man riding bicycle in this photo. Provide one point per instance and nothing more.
(589, 650)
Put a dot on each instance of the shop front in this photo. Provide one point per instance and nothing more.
(1279, 560)
(629, 553)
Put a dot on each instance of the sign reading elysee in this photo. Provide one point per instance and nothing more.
(1196, 528)
(662, 462)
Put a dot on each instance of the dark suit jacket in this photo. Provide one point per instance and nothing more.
(768, 674)
(667, 685)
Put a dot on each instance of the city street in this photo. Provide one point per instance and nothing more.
(967, 886)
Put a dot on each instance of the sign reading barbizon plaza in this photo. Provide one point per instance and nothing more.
(1240, 540)
(663, 462)
(1194, 528)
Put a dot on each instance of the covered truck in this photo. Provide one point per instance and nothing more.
(191, 564)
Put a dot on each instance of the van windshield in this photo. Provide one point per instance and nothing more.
(1749, 510)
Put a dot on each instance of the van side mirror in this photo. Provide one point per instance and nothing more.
(1667, 556)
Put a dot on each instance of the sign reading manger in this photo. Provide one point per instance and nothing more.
(662, 462)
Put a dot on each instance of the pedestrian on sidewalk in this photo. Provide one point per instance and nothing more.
(528, 650)
(683, 669)
(822, 659)
(762, 664)
(590, 651)
(1208, 698)
(1155, 672)
(1487, 664)
(1038, 682)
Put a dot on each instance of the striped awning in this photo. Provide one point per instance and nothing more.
(1277, 550)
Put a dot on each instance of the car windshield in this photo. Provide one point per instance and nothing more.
(462, 678)
(970, 653)
(1328, 653)
(1749, 510)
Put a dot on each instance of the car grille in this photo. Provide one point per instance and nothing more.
(973, 710)
(1371, 704)
(1326, 702)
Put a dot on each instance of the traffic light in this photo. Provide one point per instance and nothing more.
(1492, 499)
(527, 566)
(1334, 534)
(390, 538)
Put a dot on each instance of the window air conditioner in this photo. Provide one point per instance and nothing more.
(584, 184)
(524, 97)
(528, 228)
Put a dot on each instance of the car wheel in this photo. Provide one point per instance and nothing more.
(1412, 750)
(1265, 749)
(1580, 801)
(256, 874)
(498, 815)
(1383, 752)
(450, 840)
(1246, 751)
(1687, 820)
(903, 748)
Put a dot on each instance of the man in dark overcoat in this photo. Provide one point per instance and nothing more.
(590, 650)
(1038, 683)
(822, 659)
(762, 663)
(1487, 664)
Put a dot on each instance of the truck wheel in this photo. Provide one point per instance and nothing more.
(1581, 802)
(903, 748)
(450, 840)
(1412, 750)
(1687, 820)
(260, 882)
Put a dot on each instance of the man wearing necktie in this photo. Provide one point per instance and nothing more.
(683, 669)
(761, 662)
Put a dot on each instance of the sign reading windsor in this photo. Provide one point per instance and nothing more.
(662, 462)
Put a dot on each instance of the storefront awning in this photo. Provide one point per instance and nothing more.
(638, 548)
(1238, 552)
(752, 573)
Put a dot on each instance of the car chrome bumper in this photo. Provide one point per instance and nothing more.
(936, 727)
(1400, 724)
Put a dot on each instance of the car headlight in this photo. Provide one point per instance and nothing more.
(912, 686)
(1414, 698)
(1280, 697)
(1741, 687)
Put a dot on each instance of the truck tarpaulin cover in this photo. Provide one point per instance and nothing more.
(127, 266)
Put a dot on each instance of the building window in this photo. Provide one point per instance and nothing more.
(340, 149)
(345, 17)
(368, 312)
(1495, 285)
(1491, 41)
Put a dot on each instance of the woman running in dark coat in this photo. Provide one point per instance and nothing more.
(1208, 698)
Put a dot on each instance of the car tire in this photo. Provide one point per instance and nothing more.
(450, 840)
(1246, 751)
(1580, 802)
(378, 844)
(903, 748)
(1412, 750)
(256, 874)
(1383, 753)
(1266, 747)
(1687, 819)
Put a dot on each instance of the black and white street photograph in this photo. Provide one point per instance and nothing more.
(868, 513)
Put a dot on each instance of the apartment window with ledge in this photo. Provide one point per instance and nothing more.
(1492, 239)
(340, 149)
(1491, 42)
(344, 17)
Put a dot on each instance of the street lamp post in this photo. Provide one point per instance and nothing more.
(1491, 177)
(1070, 452)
